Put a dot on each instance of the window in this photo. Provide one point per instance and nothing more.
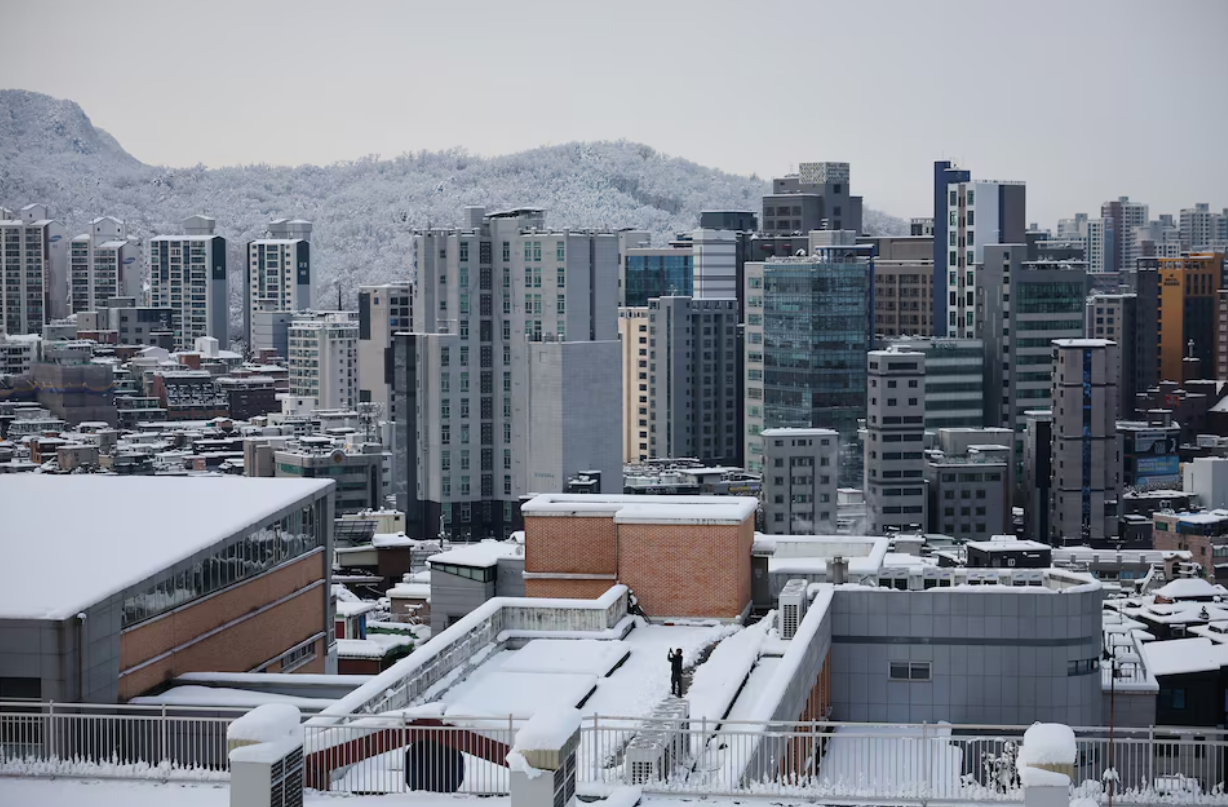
(1173, 698)
(910, 671)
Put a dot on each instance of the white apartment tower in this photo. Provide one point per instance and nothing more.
(382, 311)
(1099, 241)
(32, 269)
(188, 273)
(979, 212)
(279, 276)
(511, 382)
(324, 359)
(895, 439)
(799, 481)
(103, 264)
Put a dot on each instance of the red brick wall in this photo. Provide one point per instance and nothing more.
(675, 570)
(569, 544)
(695, 570)
(567, 589)
(236, 649)
(1198, 545)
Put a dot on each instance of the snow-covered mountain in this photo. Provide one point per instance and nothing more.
(364, 210)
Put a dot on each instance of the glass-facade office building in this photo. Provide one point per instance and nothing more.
(807, 333)
(646, 276)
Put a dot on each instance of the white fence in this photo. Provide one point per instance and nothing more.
(850, 763)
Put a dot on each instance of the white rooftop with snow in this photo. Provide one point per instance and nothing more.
(109, 532)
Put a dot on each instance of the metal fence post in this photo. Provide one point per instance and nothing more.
(49, 746)
(162, 745)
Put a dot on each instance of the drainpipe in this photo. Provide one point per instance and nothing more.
(81, 657)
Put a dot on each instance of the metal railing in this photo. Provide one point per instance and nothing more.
(898, 764)
(114, 741)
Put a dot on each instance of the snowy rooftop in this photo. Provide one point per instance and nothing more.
(1178, 656)
(1008, 545)
(482, 555)
(109, 533)
(645, 509)
(1189, 588)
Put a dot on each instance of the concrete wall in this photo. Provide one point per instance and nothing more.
(997, 656)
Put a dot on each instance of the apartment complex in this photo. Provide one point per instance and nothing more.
(495, 303)
(1121, 218)
(103, 264)
(1086, 477)
(32, 269)
(188, 273)
(692, 379)
(278, 273)
(382, 311)
(806, 335)
(895, 433)
(799, 481)
(978, 213)
(323, 359)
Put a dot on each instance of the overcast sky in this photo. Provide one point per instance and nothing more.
(1085, 101)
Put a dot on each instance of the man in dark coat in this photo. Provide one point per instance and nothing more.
(675, 672)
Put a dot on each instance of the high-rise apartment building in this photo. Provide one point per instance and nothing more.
(103, 264)
(1197, 227)
(806, 335)
(1086, 463)
(903, 286)
(692, 379)
(1188, 306)
(954, 385)
(799, 481)
(32, 269)
(486, 297)
(382, 311)
(1074, 229)
(324, 359)
(1025, 307)
(1123, 217)
(188, 273)
(1100, 240)
(817, 197)
(946, 174)
(978, 213)
(633, 336)
(1115, 317)
(278, 274)
(895, 439)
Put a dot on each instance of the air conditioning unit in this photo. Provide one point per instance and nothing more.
(674, 715)
(793, 602)
(649, 758)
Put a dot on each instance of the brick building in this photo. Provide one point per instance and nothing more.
(1204, 535)
(146, 578)
(681, 556)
